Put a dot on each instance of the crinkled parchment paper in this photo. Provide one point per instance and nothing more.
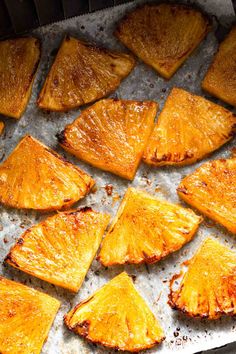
(183, 335)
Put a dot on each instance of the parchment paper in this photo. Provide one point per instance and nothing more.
(183, 335)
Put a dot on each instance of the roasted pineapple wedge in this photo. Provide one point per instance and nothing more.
(146, 229)
(1, 127)
(26, 317)
(163, 35)
(188, 128)
(36, 177)
(117, 317)
(111, 135)
(82, 73)
(220, 80)
(19, 59)
(212, 190)
(208, 288)
(60, 249)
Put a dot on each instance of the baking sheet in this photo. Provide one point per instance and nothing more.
(183, 335)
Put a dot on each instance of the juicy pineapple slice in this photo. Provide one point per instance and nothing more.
(146, 229)
(60, 249)
(36, 177)
(212, 190)
(26, 317)
(117, 317)
(220, 80)
(82, 73)
(208, 288)
(163, 35)
(19, 59)
(111, 135)
(1, 127)
(188, 128)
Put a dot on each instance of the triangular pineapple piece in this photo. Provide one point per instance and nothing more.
(220, 80)
(1, 127)
(36, 177)
(26, 318)
(117, 317)
(146, 229)
(208, 288)
(212, 190)
(188, 128)
(82, 73)
(19, 59)
(60, 249)
(163, 35)
(111, 135)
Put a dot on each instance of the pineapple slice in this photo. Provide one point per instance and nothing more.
(146, 229)
(117, 317)
(36, 177)
(1, 127)
(26, 317)
(220, 80)
(82, 73)
(189, 128)
(111, 135)
(208, 288)
(19, 59)
(60, 249)
(163, 35)
(212, 190)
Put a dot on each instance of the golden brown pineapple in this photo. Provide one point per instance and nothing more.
(82, 73)
(146, 229)
(19, 59)
(220, 80)
(188, 128)
(117, 317)
(208, 288)
(60, 249)
(212, 190)
(111, 135)
(1, 127)
(163, 35)
(26, 318)
(36, 177)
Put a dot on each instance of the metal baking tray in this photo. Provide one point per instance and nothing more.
(183, 335)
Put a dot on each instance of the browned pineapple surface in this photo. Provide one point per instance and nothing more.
(212, 190)
(220, 80)
(1, 127)
(188, 128)
(146, 229)
(60, 249)
(36, 177)
(117, 317)
(26, 317)
(163, 35)
(82, 73)
(19, 59)
(208, 288)
(111, 135)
